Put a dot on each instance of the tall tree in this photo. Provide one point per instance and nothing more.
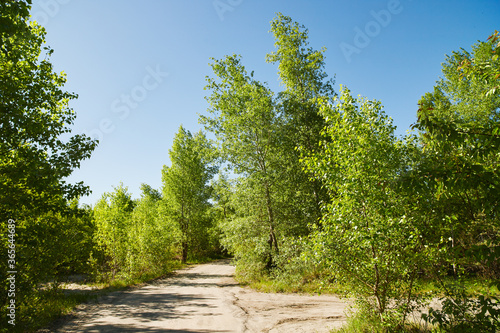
(459, 127)
(367, 235)
(34, 114)
(186, 187)
(246, 125)
(37, 152)
(458, 169)
(301, 70)
(112, 215)
(259, 133)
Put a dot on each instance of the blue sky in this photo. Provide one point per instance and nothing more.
(139, 67)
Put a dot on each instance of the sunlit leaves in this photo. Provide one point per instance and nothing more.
(186, 188)
(367, 235)
(37, 152)
(135, 236)
(34, 116)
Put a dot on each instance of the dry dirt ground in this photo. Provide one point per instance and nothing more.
(206, 298)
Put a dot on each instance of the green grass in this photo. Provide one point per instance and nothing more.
(362, 324)
(121, 282)
(267, 284)
(473, 286)
(49, 305)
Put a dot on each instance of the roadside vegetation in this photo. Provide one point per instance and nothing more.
(309, 189)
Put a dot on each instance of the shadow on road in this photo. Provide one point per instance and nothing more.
(135, 329)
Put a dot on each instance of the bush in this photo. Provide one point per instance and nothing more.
(463, 312)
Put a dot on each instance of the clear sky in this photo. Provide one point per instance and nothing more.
(139, 66)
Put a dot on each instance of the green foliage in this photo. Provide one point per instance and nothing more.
(367, 220)
(484, 68)
(459, 127)
(112, 215)
(153, 233)
(301, 69)
(297, 273)
(428, 204)
(34, 115)
(258, 133)
(187, 193)
(48, 247)
(462, 312)
(37, 152)
(244, 117)
(134, 238)
(245, 124)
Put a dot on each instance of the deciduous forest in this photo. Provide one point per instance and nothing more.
(308, 188)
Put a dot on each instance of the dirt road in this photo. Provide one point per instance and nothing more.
(206, 298)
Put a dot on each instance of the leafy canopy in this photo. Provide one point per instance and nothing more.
(36, 149)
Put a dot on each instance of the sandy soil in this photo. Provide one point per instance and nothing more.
(206, 298)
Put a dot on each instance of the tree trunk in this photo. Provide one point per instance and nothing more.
(272, 236)
(184, 251)
(184, 229)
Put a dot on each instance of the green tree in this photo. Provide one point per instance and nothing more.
(135, 238)
(186, 189)
(459, 131)
(113, 218)
(37, 152)
(34, 116)
(367, 234)
(153, 234)
(245, 124)
(259, 133)
(303, 77)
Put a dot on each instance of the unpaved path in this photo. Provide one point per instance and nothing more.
(206, 298)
